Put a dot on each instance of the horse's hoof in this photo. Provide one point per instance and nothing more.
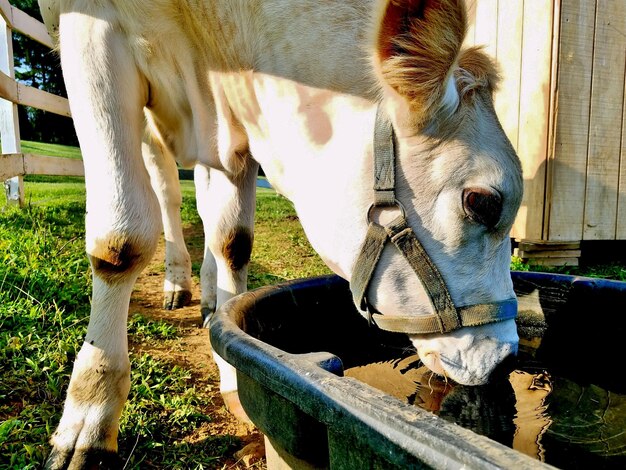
(252, 453)
(207, 313)
(83, 459)
(175, 300)
(233, 405)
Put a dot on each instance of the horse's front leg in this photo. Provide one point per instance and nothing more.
(164, 178)
(107, 94)
(227, 211)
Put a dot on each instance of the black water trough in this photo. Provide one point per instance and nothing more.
(302, 351)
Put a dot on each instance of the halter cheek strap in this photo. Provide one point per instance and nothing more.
(447, 316)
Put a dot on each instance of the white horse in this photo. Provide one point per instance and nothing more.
(366, 114)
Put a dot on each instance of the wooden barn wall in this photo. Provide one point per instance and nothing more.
(561, 102)
(569, 164)
(518, 34)
(589, 153)
(605, 121)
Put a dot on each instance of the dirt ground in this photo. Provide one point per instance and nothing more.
(192, 351)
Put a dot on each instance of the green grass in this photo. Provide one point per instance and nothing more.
(615, 270)
(44, 307)
(66, 188)
(54, 190)
(53, 150)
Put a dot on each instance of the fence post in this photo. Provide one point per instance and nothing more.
(9, 123)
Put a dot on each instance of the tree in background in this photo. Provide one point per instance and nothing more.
(39, 67)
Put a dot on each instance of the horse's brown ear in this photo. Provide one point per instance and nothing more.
(416, 44)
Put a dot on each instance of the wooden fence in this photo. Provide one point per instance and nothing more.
(13, 163)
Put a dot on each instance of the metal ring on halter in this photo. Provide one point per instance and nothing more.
(396, 205)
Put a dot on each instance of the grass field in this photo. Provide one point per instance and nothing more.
(53, 150)
(44, 307)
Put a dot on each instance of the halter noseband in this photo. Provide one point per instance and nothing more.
(447, 316)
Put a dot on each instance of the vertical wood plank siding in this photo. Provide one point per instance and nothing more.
(561, 102)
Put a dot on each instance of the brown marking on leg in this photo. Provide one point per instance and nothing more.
(115, 256)
(237, 247)
(99, 384)
(92, 388)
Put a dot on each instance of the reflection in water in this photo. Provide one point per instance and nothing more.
(531, 418)
(530, 409)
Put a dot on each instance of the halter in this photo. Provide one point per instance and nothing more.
(447, 317)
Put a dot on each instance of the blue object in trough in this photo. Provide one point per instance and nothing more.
(263, 183)
(295, 344)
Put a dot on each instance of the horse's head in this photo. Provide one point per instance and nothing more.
(458, 181)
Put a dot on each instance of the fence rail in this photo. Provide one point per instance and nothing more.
(21, 164)
(13, 163)
(19, 93)
(23, 23)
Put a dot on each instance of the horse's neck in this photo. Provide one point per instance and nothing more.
(315, 146)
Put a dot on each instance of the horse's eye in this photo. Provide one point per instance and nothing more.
(482, 205)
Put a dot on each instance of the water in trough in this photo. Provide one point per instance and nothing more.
(561, 400)
(568, 422)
